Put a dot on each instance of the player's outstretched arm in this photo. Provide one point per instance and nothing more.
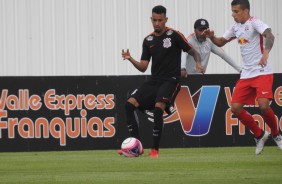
(141, 66)
(219, 41)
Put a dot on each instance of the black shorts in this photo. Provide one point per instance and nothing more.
(153, 91)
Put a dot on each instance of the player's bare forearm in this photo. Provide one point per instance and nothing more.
(218, 41)
(195, 55)
(141, 66)
(269, 39)
(197, 59)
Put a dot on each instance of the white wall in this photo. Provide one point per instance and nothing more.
(85, 37)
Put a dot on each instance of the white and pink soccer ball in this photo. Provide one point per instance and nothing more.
(132, 147)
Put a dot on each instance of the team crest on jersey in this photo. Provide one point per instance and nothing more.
(149, 38)
(169, 32)
(167, 43)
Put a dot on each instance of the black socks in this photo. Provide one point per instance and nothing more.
(158, 127)
(131, 120)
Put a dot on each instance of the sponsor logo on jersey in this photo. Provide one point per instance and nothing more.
(243, 41)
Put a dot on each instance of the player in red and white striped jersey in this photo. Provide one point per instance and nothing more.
(255, 40)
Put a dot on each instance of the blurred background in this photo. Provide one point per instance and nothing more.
(85, 37)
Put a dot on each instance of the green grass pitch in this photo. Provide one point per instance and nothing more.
(174, 166)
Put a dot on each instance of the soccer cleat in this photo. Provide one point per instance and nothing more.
(278, 140)
(260, 143)
(120, 152)
(154, 153)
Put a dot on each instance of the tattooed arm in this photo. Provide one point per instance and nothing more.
(269, 41)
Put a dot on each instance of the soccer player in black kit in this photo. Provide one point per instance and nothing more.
(164, 46)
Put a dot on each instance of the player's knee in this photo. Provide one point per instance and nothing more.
(236, 108)
(263, 105)
(264, 109)
(133, 101)
(160, 105)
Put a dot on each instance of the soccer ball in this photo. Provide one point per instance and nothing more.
(131, 147)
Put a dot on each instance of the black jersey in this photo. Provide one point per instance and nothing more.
(165, 51)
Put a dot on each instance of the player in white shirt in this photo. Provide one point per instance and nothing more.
(255, 40)
(204, 46)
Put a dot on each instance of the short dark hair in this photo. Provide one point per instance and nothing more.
(244, 4)
(159, 10)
